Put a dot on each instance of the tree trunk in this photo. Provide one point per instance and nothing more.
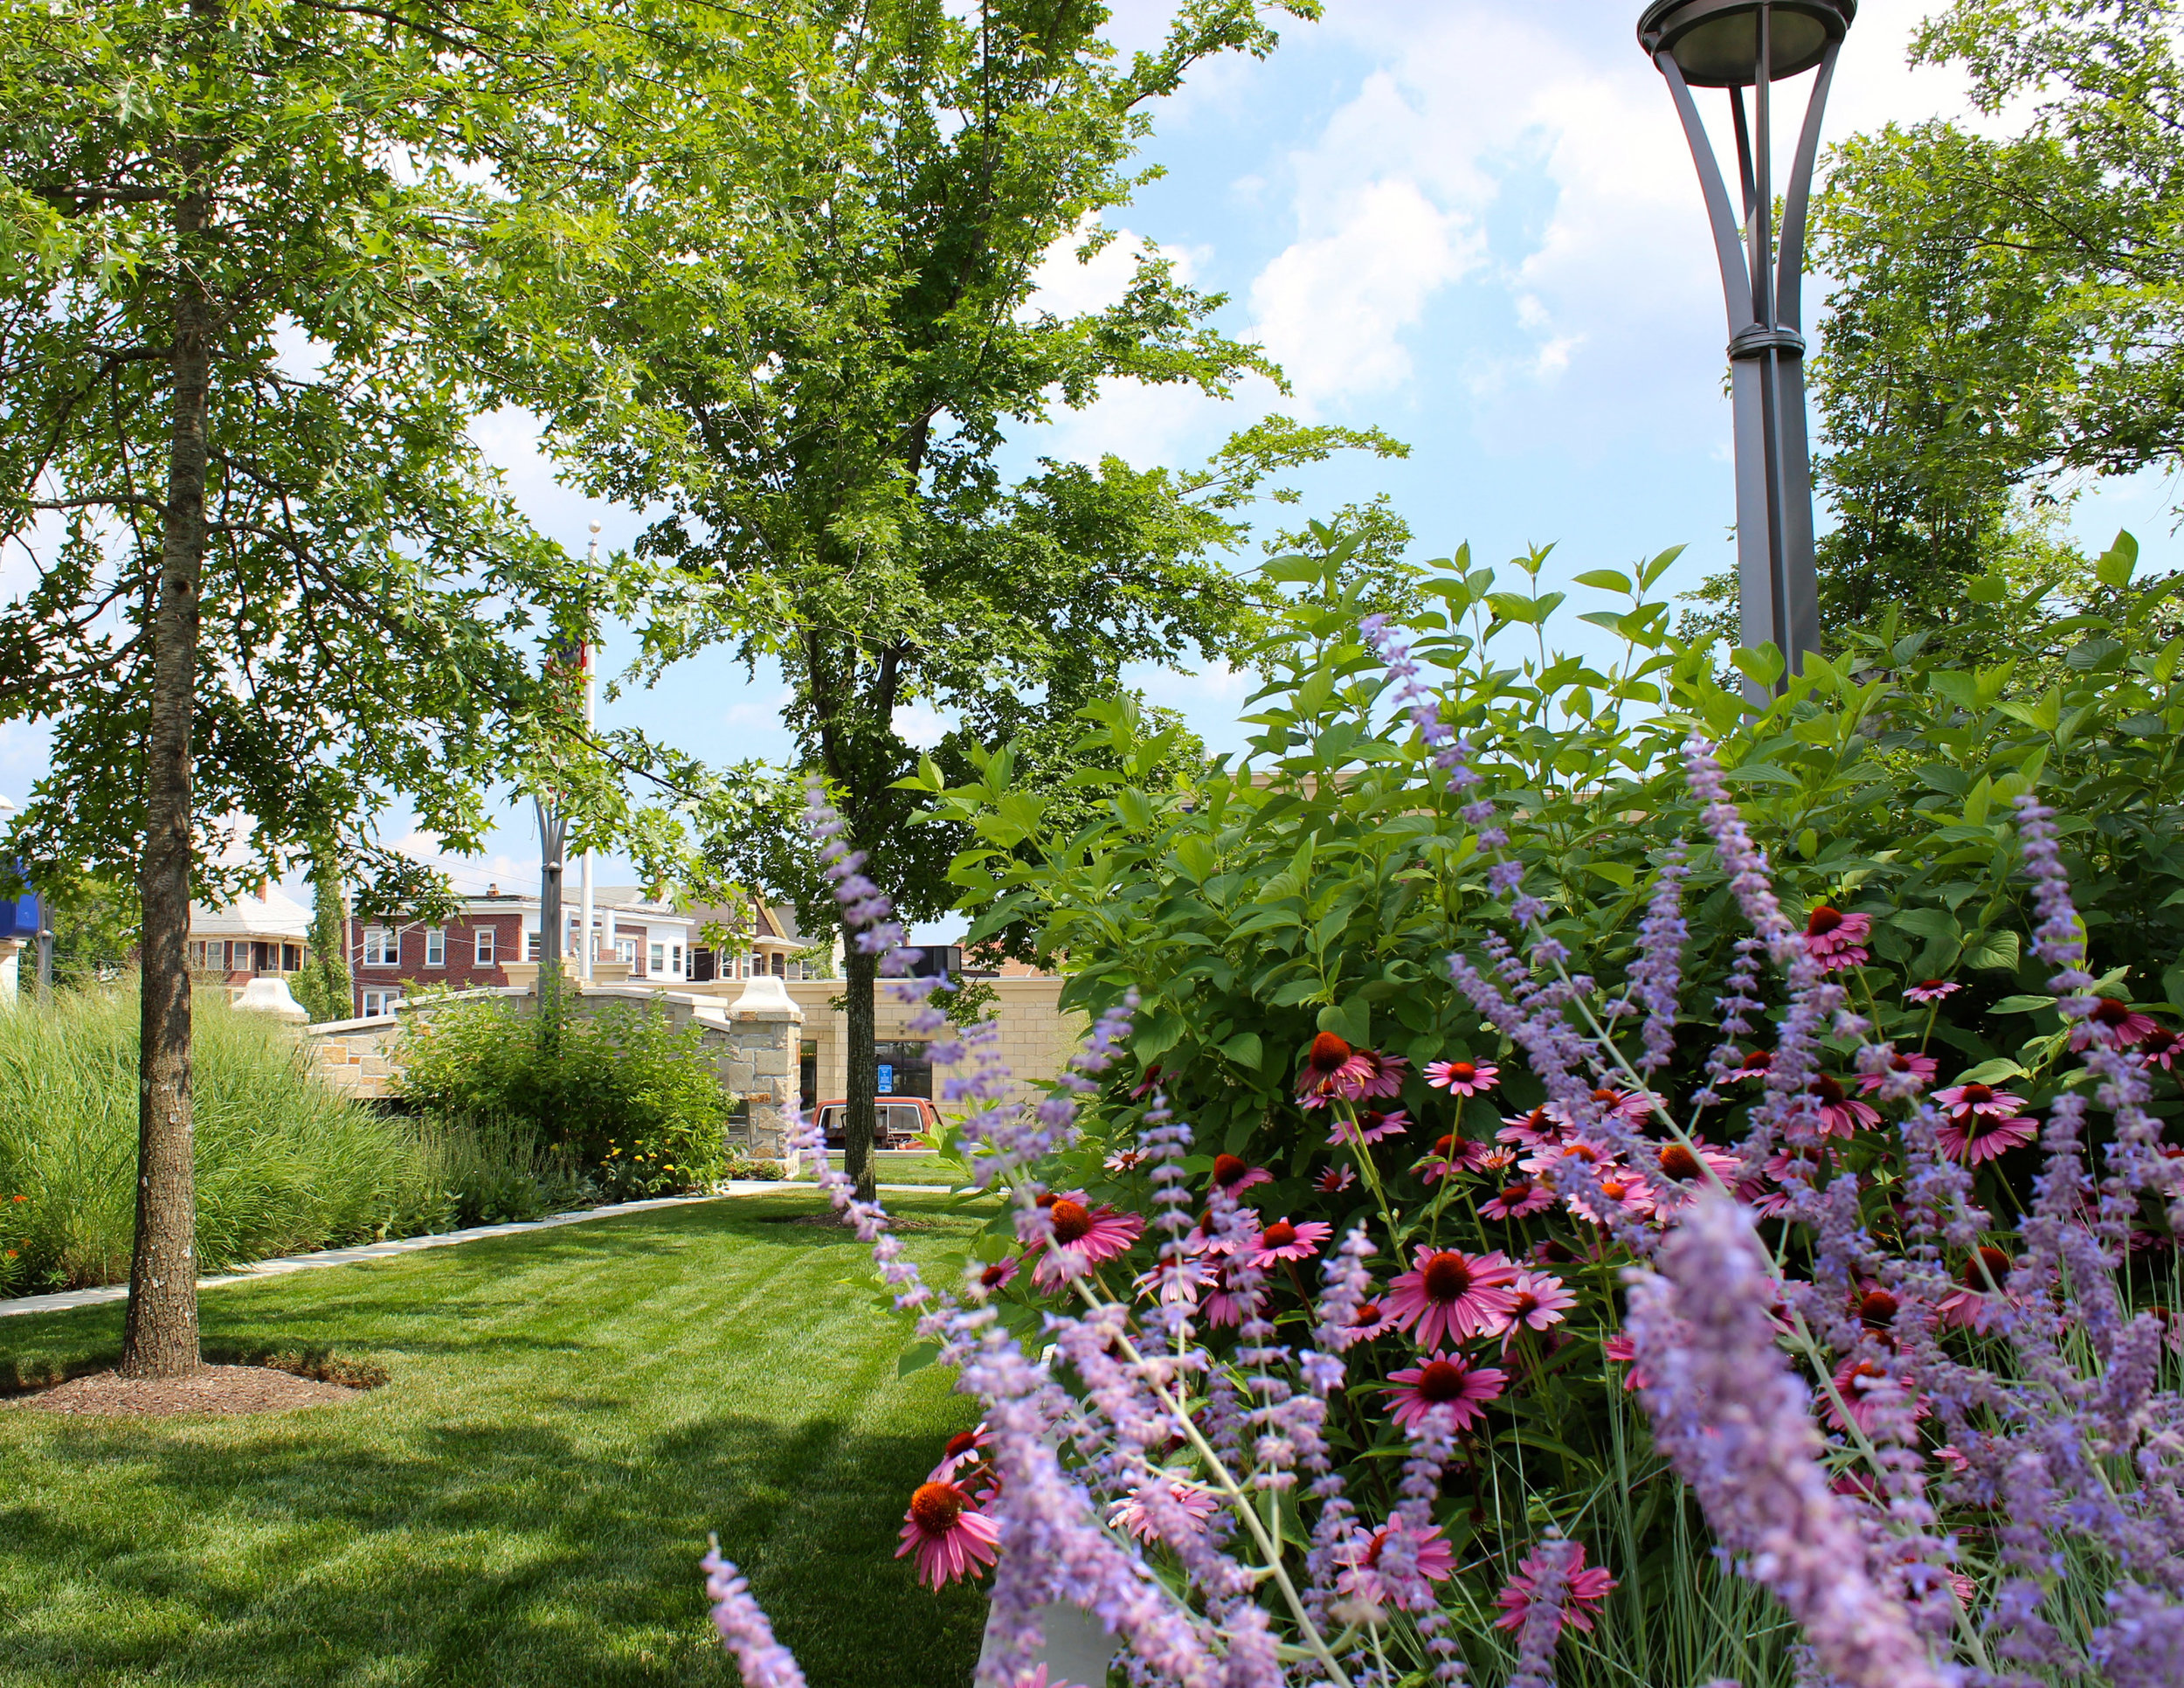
(161, 1336)
(861, 972)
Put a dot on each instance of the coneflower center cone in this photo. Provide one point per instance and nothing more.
(936, 1506)
(1679, 1162)
(1446, 1278)
(1071, 1222)
(1279, 1235)
(1227, 1169)
(1441, 1380)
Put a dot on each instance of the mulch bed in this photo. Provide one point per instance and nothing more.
(213, 1389)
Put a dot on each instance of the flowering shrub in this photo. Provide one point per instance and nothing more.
(1478, 1036)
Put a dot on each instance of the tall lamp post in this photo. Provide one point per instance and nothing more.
(1735, 45)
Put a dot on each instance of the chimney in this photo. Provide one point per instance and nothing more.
(492, 890)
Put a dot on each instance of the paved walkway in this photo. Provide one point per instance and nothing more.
(67, 1298)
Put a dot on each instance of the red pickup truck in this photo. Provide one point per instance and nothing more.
(898, 1121)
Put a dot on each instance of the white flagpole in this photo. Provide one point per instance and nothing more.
(589, 942)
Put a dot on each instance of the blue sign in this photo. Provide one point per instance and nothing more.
(19, 917)
(887, 1080)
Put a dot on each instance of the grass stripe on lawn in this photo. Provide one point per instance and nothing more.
(568, 1414)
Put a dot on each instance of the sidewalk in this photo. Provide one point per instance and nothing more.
(68, 1298)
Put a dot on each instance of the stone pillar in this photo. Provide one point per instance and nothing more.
(760, 1064)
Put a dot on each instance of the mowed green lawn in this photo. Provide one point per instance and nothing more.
(526, 1500)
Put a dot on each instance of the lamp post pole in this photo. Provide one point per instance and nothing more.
(590, 675)
(1735, 44)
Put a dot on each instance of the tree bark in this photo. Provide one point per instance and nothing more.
(861, 972)
(160, 1339)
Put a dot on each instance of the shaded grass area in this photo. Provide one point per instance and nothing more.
(567, 1414)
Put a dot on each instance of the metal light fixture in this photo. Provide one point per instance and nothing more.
(1738, 44)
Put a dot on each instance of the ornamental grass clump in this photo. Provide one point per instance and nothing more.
(1508, 1225)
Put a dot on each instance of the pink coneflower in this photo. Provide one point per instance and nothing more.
(1549, 1156)
(964, 1448)
(1685, 1166)
(1451, 1154)
(1520, 1198)
(998, 1276)
(1084, 1236)
(2161, 1047)
(1836, 940)
(1617, 1194)
(1972, 1136)
(1176, 1283)
(1330, 1068)
(1930, 990)
(1124, 1161)
(1385, 1077)
(1462, 1077)
(1532, 1131)
(1361, 1576)
(1282, 1241)
(1235, 1175)
(1195, 1503)
(1755, 1063)
(1451, 1296)
(1148, 1085)
(951, 1537)
(1583, 1591)
(1841, 1113)
(1372, 1319)
(1979, 1099)
(1623, 1351)
(1220, 1307)
(1922, 1068)
(1446, 1380)
(1037, 1677)
(1635, 1106)
(1540, 1302)
(1336, 1179)
(1855, 1380)
(1371, 1126)
(1984, 1300)
(2112, 1024)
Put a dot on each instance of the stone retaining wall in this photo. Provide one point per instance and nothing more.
(751, 1043)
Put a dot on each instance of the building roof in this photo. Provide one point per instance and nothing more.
(264, 914)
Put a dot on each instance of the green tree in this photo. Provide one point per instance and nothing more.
(324, 987)
(244, 259)
(2007, 318)
(825, 317)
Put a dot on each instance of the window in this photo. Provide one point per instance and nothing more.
(380, 1002)
(678, 966)
(625, 950)
(534, 946)
(485, 946)
(436, 946)
(660, 958)
(291, 957)
(382, 947)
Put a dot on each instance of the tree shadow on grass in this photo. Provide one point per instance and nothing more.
(484, 1552)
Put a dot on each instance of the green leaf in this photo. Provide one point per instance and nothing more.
(917, 1357)
(1351, 1020)
(1993, 950)
(2114, 566)
(1992, 1072)
(2021, 1005)
(1763, 667)
(1246, 1051)
(1926, 922)
(1607, 580)
(1616, 873)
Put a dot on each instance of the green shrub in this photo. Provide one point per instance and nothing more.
(491, 1172)
(628, 1098)
(283, 1162)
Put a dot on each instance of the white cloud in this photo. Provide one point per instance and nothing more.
(1332, 308)
(916, 723)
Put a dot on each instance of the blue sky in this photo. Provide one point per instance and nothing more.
(1475, 226)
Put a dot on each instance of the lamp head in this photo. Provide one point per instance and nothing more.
(1716, 43)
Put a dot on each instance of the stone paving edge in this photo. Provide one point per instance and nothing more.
(63, 1300)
